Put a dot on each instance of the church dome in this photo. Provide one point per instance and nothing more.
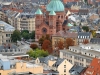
(55, 5)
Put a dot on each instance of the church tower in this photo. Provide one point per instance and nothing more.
(38, 22)
(52, 22)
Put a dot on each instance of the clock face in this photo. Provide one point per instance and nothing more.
(44, 30)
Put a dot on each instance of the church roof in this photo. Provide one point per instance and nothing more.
(69, 25)
(55, 5)
(52, 13)
(38, 12)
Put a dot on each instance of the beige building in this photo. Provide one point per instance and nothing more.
(5, 32)
(75, 7)
(81, 55)
(62, 36)
(62, 66)
(18, 67)
(26, 21)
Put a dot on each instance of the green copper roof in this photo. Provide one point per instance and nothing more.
(38, 12)
(69, 25)
(52, 13)
(55, 5)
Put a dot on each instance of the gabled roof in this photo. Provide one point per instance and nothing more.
(58, 62)
(38, 12)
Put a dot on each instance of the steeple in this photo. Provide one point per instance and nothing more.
(38, 12)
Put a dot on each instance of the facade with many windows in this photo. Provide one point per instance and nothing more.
(81, 55)
(6, 31)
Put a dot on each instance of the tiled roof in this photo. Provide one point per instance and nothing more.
(94, 67)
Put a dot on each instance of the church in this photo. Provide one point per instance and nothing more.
(51, 21)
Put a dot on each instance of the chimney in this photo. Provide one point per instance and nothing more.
(9, 46)
(4, 45)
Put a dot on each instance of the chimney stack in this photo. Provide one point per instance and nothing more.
(4, 45)
(9, 46)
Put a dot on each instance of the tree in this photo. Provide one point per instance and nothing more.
(47, 46)
(32, 35)
(24, 31)
(85, 41)
(37, 53)
(60, 45)
(33, 46)
(26, 36)
(16, 36)
(41, 40)
(69, 42)
(85, 28)
(93, 33)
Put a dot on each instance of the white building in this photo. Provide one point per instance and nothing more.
(82, 54)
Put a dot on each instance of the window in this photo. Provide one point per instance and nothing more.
(64, 66)
(64, 70)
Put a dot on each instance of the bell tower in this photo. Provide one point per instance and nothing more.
(38, 22)
(52, 22)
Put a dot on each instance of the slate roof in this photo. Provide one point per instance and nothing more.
(84, 34)
(45, 59)
(58, 62)
(11, 47)
(76, 28)
(95, 40)
(65, 22)
(76, 70)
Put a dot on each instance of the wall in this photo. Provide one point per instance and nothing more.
(19, 68)
(6, 64)
(61, 67)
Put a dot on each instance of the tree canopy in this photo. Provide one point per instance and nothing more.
(16, 36)
(41, 40)
(37, 53)
(47, 46)
(26, 35)
(34, 46)
(69, 42)
(85, 28)
(60, 45)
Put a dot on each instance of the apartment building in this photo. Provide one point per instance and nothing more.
(57, 65)
(5, 32)
(13, 66)
(26, 21)
(81, 55)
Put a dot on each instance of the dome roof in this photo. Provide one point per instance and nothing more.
(38, 12)
(55, 5)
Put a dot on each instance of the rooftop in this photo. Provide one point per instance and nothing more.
(7, 27)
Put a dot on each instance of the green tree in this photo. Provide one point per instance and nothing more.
(85, 28)
(26, 36)
(24, 31)
(32, 35)
(37, 53)
(16, 36)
